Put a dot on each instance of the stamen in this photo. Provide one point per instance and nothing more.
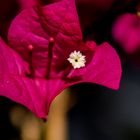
(51, 40)
(30, 48)
(50, 55)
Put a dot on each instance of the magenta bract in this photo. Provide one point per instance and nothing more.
(38, 70)
(126, 32)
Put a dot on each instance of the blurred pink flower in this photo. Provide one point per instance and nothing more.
(51, 57)
(126, 31)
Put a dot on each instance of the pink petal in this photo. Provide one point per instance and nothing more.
(24, 91)
(35, 94)
(37, 26)
(11, 62)
(104, 69)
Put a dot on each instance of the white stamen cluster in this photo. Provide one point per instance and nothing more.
(77, 59)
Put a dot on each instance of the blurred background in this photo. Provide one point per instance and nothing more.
(82, 112)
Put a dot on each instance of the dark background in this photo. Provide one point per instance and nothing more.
(99, 113)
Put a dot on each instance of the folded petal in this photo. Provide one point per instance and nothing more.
(104, 69)
(23, 91)
(15, 86)
(126, 32)
(10, 61)
(35, 94)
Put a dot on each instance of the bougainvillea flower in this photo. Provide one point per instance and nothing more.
(49, 55)
(126, 32)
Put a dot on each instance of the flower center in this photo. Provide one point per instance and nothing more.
(77, 59)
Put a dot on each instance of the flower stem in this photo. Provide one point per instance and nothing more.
(32, 72)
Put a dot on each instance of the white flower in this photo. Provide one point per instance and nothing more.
(77, 59)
